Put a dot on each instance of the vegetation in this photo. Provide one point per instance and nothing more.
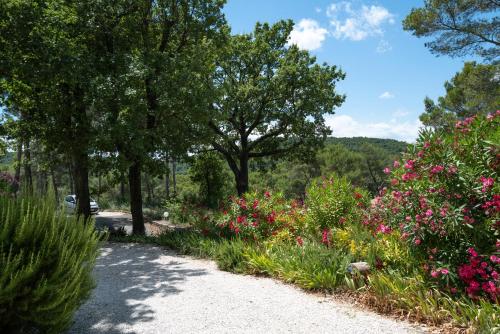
(46, 260)
(460, 27)
(272, 99)
(473, 91)
(430, 237)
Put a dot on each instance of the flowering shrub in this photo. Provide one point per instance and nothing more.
(444, 200)
(8, 184)
(258, 216)
(334, 202)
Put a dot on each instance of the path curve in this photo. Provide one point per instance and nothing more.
(148, 289)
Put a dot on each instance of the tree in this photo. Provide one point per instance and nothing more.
(473, 91)
(460, 27)
(272, 99)
(208, 171)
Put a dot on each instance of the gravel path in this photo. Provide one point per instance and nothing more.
(147, 289)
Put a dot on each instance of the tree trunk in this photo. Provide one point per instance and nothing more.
(148, 188)
(174, 180)
(242, 176)
(81, 171)
(54, 183)
(99, 186)
(19, 157)
(122, 187)
(71, 179)
(28, 176)
(134, 177)
(167, 180)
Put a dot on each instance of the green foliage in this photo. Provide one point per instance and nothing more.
(46, 260)
(473, 91)
(445, 201)
(272, 99)
(460, 27)
(334, 202)
(209, 173)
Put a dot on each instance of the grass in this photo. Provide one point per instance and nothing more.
(317, 268)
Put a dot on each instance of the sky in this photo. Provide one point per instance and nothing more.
(389, 71)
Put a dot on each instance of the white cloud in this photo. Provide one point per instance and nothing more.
(400, 113)
(357, 24)
(346, 126)
(386, 96)
(383, 46)
(308, 35)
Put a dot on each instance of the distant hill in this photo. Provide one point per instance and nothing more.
(355, 143)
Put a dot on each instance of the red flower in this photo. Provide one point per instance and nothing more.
(300, 242)
(326, 237)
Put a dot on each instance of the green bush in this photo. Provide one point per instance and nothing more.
(46, 260)
(334, 202)
(445, 201)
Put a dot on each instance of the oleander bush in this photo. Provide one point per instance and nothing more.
(46, 259)
(444, 202)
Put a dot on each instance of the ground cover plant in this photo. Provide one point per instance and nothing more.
(46, 260)
(431, 238)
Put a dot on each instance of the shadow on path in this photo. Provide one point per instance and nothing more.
(127, 275)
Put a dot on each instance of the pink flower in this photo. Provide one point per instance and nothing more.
(435, 274)
(418, 242)
(487, 183)
(428, 213)
(387, 170)
(384, 229)
(255, 204)
(495, 259)
(472, 251)
(437, 169)
(445, 271)
(267, 194)
(409, 164)
(396, 164)
(452, 170)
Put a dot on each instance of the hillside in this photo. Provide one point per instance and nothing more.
(355, 143)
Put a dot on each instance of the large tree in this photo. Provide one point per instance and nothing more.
(272, 98)
(472, 91)
(460, 27)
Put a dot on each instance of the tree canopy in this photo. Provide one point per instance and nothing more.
(473, 91)
(271, 98)
(459, 27)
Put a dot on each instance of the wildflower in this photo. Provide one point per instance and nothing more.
(300, 242)
(387, 170)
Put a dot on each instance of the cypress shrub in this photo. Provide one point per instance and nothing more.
(46, 260)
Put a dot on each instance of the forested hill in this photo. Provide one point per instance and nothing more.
(355, 143)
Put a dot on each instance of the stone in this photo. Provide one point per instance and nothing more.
(361, 267)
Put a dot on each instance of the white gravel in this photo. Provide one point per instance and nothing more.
(147, 289)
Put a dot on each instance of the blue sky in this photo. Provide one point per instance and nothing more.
(389, 71)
